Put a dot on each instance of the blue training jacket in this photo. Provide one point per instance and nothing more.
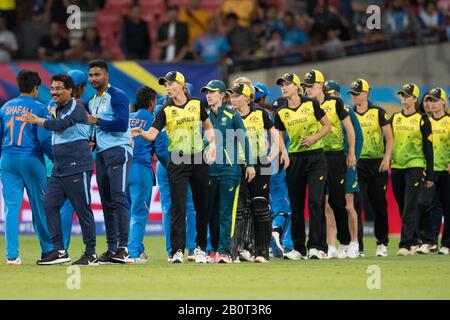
(359, 140)
(112, 107)
(19, 138)
(71, 154)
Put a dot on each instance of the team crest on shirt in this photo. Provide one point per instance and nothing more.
(398, 120)
(224, 120)
(174, 113)
(414, 121)
(254, 119)
(370, 116)
(445, 123)
(192, 109)
(306, 111)
(327, 109)
(286, 115)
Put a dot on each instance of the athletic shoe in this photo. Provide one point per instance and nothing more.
(424, 249)
(293, 255)
(169, 258)
(237, 260)
(381, 251)
(191, 255)
(224, 258)
(276, 236)
(139, 260)
(106, 258)
(270, 252)
(342, 252)
(200, 255)
(403, 252)
(86, 260)
(316, 254)
(213, 256)
(444, 250)
(332, 252)
(13, 261)
(353, 250)
(362, 254)
(177, 257)
(434, 248)
(261, 259)
(121, 255)
(245, 255)
(55, 257)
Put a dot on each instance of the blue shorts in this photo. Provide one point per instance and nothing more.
(351, 181)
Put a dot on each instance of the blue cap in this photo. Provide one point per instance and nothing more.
(78, 77)
(261, 90)
(332, 85)
(214, 85)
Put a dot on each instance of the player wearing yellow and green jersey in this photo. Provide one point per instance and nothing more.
(337, 161)
(182, 116)
(306, 124)
(412, 153)
(440, 125)
(375, 158)
(257, 123)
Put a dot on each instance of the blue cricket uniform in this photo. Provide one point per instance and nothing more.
(22, 165)
(113, 162)
(141, 180)
(71, 173)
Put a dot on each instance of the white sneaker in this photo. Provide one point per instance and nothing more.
(433, 248)
(200, 255)
(245, 255)
(177, 257)
(276, 238)
(316, 254)
(353, 250)
(444, 250)
(342, 252)
(332, 252)
(292, 255)
(403, 252)
(261, 259)
(362, 254)
(237, 260)
(141, 259)
(191, 255)
(17, 261)
(424, 249)
(213, 256)
(224, 258)
(413, 250)
(381, 251)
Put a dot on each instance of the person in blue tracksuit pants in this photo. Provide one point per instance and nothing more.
(112, 136)
(22, 164)
(142, 177)
(166, 202)
(71, 173)
(67, 211)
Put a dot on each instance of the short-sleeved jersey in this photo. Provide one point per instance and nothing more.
(299, 123)
(441, 142)
(408, 140)
(183, 125)
(256, 122)
(335, 111)
(371, 123)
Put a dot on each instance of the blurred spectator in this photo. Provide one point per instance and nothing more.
(368, 39)
(8, 11)
(211, 47)
(242, 8)
(333, 46)
(399, 24)
(241, 41)
(259, 33)
(135, 39)
(54, 47)
(91, 46)
(173, 37)
(31, 33)
(293, 36)
(274, 46)
(8, 42)
(430, 17)
(272, 21)
(326, 19)
(196, 19)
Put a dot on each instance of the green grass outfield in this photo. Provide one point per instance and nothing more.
(416, 277)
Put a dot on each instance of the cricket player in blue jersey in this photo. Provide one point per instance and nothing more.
(71, 173)
(142, 177)
(111, 132)
(22, 164)
(80, 81)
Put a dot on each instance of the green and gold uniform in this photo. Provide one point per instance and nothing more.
(412, 153)
(186, 165)
(307, 167)
(373, 184)
(333, 145)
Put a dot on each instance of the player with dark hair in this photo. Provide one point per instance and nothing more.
(22, 164)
